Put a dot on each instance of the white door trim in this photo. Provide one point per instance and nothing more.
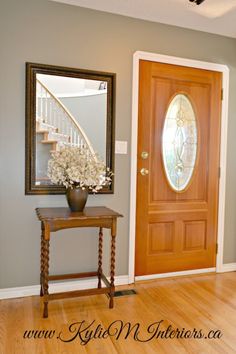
(134, 141)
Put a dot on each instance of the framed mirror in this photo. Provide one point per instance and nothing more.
(66, 106)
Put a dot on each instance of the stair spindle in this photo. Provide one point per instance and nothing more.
(41, 102)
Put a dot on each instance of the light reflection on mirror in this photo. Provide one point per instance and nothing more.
(69, 111)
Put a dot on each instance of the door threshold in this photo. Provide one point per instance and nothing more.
(175, 274)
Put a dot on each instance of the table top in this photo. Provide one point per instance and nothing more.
(67, 214)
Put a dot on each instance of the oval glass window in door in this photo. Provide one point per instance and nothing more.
(179, 142)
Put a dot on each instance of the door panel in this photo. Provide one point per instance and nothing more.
(176, 230)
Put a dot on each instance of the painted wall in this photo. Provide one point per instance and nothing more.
(53, 33)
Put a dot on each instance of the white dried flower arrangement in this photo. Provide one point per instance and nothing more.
(75, 167)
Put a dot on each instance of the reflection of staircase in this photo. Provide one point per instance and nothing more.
(55, 127)
(56, 124)
(51, 136)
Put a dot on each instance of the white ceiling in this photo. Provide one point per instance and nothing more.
(214, 16)
(62, 86)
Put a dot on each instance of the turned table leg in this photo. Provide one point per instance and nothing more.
(46, 268)
(112, 272)
(100, 257)
(42, 261)
(46, 274)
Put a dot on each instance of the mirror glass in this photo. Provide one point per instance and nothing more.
(69, 107)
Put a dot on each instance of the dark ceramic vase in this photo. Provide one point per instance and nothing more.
(77, 198)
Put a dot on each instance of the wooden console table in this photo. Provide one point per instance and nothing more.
(54, 219)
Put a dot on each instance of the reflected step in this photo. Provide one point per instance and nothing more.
(45, 126)
(52, 142)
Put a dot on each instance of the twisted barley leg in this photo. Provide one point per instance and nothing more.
(46, 274)
(112, 273)
(42, 261)
(100, 257)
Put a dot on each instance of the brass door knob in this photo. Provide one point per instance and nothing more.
(144, 171)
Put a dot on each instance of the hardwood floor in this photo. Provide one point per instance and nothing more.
(187, 304)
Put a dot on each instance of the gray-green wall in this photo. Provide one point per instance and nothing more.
(52, 33)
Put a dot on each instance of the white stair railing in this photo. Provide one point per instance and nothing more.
(53, 116)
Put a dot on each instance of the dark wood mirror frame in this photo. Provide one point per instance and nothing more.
(32, 70)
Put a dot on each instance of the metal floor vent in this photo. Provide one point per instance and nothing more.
(125, 292)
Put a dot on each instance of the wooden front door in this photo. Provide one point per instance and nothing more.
(178, 168)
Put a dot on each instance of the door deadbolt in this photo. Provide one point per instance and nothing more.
(144, 155)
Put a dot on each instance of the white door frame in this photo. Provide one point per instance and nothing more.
(134, 141)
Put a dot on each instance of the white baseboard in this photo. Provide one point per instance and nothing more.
(24, 291)
(228, 267)
(58, 287)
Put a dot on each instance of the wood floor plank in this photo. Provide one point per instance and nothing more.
(204, 302)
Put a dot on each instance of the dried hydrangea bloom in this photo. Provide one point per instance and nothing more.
(75, 167)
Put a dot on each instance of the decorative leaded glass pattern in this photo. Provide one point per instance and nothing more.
(179, 142)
